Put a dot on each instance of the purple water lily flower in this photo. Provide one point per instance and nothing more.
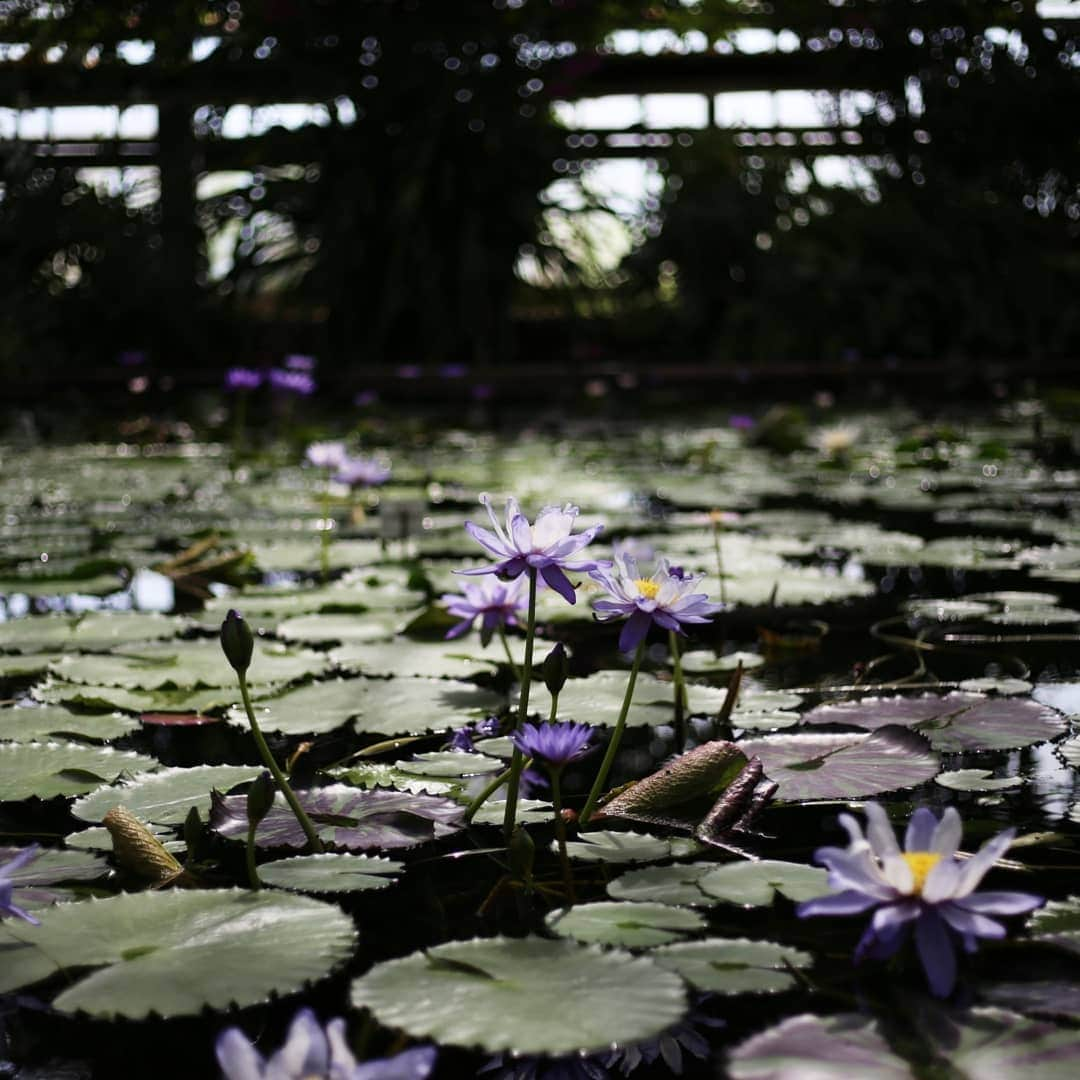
(667, 598)
(242, 378)
(925, 886)
(299, 362)
(292, 382)
(7, 904)
(556, 745)
(326, 455)
(546, 546)
(310, 1053)
(496, 602)
(362, 472)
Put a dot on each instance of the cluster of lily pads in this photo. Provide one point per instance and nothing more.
(401, 706)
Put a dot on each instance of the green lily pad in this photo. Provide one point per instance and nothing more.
(176, 953)
(411, 706)
(437, 660)
(330, 872)
(676, 884)
(307, 710)
(24, 666)
(79, 695)
(497, 994)
(755, 884)
(35, 883)
(704, 661)
(188, 665)
(989, 684)
(1058, 923)
(976, 780)
(94, 631)
(59, 768)
(1039, 997)
(989, 1042)
(339, 629)
(733, 965)
(630, 925)
(626, 847)
(942, 610)
(825, 1047)
(843, 766)
(21, 724)
(449, 763)
(165, 797)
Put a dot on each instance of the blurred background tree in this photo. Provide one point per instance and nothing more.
(434, 208)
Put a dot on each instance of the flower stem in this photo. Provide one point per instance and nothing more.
(554, 708)
(492, 787)
(253, 873)
(279, 777)
(680, 691)
(324, 535)
(560, 833)
(516, 762)
(616, 738)
(509, 654)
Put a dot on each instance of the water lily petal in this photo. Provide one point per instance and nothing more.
(920, 830)
(973, 871)
(936, 953)
(1000, 903)
(948, 833)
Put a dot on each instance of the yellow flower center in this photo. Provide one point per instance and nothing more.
(647, 588)
(921, 863)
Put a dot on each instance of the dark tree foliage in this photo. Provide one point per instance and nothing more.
(390, 231)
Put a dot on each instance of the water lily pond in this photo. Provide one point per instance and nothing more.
(632, 749)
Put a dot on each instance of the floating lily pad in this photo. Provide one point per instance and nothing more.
(825, 1047)
(988, 684)
(35, 883)
(330, 872)
(308, 710)
(1036, 616)
(941, 610)
(346, 817)
(90, 696)
(843, 766)
(94, 631)
(1041, 997)
(24, 666)
(676, 884)
(339, 629)
(98, 838)
(977, 780)
(1058, 923)
(733, 965)
(450, 763)
(188, 665)
(438, 660)
(496, 994)
(630, 925)
(953, 723)
(59, 768)
(528, 812)
(619, 847)
(704, 661)
(165, 797)
(413, 706)
(755, 884)
(176, 953)
(989, 1042)
(23, 724)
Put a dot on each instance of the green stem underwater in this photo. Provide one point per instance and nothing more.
(252, 871)
(616, 738)
(279, 777)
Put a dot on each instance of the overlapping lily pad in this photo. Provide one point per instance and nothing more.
(176, 953)
(734, 965)
(497, 993)
(61, 768)
(844, 766)
(345, 817)
(630, 925)
(330, 872)
(36, 883)
(53, 721)
(953, 723)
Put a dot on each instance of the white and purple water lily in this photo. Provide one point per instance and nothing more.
(546, 546)
(7, 904)
(326, 455)
(925, 887)
(496, 603)
(310, 1053)
(667, 598)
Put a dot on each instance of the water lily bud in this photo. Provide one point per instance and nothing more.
(260, 797)
(237, 641)
(556, 669)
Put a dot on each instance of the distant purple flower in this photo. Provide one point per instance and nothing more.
(131, 358)
(556, 745)
(453, 371)
(462, 738)
(925, 886)
(310, 1053)
(365, 397)
(483, 391)
(326, 455)
(362, 472)
(242, 378)
(496, 602)
(666, 599)
(299, 362)
(292, 382)
(546, 546)
(741, 422)
(7, 904)
(410, 371)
